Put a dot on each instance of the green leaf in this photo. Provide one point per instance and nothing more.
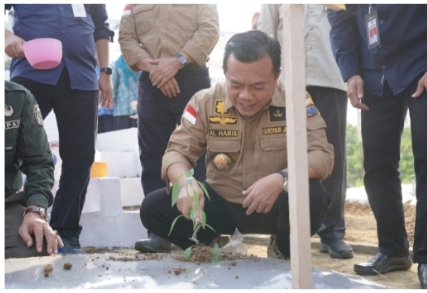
(190, 172)
(176, 189)
(196, 200)
(192, 215)
(204, 190)
(173, 223)
(187, 252)
(189, 181)
(210, 228)
(202, 213)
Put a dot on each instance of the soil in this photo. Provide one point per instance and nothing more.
(361, 224)
(360, 231)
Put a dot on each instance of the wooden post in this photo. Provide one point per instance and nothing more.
(294, 53)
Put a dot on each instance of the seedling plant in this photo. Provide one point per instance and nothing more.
(176, 189)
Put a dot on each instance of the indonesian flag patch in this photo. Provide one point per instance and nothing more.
(127, 9)
(190, 114)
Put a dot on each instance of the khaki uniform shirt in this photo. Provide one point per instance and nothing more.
(26, 148)
(256, 146)
(163, 30)
(321, 67)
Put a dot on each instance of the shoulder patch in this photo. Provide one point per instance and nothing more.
(311, 107)
(276, 114)
(38, 114)
(8, 110)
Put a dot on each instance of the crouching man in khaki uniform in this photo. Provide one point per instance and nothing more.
(242, 126)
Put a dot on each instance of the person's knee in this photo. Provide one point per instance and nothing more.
(150, 207)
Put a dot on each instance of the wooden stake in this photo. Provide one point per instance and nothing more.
(294, 54)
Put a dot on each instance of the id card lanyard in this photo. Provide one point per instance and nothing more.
(372, 31)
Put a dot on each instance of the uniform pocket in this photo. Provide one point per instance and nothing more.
(184, 16)
(10, 146)
(145, 19)
(273, 155)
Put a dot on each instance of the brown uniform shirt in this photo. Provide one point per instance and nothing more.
(256, 145)
(163, 30)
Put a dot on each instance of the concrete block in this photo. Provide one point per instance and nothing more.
(131, 191)
(125, 140)
(122, 164)
(103, 220)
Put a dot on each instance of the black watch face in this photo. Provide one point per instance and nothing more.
(107, 70)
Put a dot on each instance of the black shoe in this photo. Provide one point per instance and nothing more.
(381, 264)
(153, 244)
(422, 275)
(71, 245)
(336, 248)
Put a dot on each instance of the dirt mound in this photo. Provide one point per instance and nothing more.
(205, 254)
(361, 225)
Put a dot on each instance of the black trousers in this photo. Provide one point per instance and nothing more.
(382, 128)
(124, 122)
(158, 116)
(105, 123)
(332, 104)
(76, 116)
(14, 246)
(157, 216)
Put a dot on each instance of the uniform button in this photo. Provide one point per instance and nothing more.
(63, 31)
(61, 8)
(382, 21)
(311, 28)
(383, 67)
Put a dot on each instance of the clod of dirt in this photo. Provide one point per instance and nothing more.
(179, 271)
(205, 254)
(48, 268)
(236, 277)
(233, 263)
(46, 275)
(68, 266)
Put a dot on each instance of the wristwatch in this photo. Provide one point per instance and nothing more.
(285, 184)
(181, 59)
(107, 70)
(35, 209)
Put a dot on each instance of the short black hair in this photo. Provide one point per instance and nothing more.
(252, 46)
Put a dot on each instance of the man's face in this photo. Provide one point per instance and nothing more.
(250, 86)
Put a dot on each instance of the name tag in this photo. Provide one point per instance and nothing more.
(79, 10)
(371, 21)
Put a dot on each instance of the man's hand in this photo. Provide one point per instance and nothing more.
(355, 92)
(422, 86)
(164, 71)
(185, 201)
(171, 88)
(262, 195)
(13, 45)
(33, 224)
(106, 88)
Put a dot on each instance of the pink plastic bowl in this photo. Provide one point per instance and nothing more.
(44, 53)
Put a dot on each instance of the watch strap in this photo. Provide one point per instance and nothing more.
(35, 209)
(283, 173)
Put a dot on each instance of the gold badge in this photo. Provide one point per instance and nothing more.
(222, 162)
(220, 107)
